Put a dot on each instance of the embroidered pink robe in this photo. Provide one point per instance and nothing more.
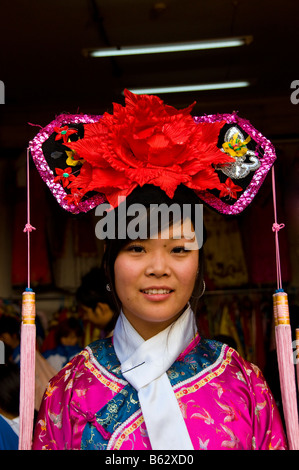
(225, 402)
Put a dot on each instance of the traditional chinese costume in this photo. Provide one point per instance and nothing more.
(224, 401)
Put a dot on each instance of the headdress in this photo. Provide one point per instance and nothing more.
(87, 160)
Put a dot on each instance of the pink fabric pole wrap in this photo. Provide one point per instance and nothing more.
(28, 343)
(283, 336)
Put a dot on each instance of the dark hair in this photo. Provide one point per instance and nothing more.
(226, 339)
(65, 327)
(10, 324)
(93, 289)
(150, 195)
(10, 388)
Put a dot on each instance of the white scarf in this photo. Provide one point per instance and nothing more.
(144, 365)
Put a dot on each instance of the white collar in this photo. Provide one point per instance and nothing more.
(144, 365)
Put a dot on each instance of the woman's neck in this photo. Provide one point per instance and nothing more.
(148, 329)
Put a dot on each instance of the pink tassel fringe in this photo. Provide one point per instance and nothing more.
(27, 374)
(286, 368)
(28, 345)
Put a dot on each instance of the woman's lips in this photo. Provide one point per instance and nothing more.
(157, 293)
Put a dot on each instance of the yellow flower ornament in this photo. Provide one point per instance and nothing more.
(235, 147)
(72, 160)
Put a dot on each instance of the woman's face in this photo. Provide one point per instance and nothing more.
(154, 279)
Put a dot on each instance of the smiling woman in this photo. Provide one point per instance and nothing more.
(157, 383)
(171, 259)
(155, 278)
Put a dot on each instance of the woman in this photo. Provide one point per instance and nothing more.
(156, 383)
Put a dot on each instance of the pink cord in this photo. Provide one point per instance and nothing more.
(28, 227)
(276, 227)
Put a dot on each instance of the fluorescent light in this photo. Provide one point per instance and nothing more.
(171, 47)
(186, 88)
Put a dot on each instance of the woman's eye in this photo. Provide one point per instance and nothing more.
(180, 249)
(135, 248)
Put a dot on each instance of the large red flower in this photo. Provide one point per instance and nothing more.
(147, 142)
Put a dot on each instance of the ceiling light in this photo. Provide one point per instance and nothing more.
(187, 88)
(171, 47)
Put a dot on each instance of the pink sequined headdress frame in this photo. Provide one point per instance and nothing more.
(89, 159)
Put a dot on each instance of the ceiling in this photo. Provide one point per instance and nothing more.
(45, 72)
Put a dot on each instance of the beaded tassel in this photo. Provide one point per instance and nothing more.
(27, 373)
(284, 347)
(28, 346)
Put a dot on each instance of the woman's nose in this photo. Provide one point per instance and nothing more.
(158, 265)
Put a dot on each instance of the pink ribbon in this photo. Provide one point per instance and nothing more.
(276, 227)
(29, 228)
